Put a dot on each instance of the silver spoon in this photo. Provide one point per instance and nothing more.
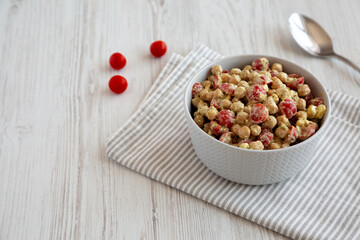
(311, 37)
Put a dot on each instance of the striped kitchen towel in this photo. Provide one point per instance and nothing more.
(321, 202)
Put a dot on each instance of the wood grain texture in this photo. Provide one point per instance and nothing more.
(56, 110)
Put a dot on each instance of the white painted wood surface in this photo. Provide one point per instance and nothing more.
(56, 110)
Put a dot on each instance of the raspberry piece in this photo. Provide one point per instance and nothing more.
(307, 130)
(293, 85)
(158, 48)
(266, 137)
(292, 136)
(225, 71)
(288, 108)
(216, 82)
(260, 64)
(315, 101)
(118, 84)
(228, 88)
(117, 61)
(215, 103)
(256, 93)
(227, 137)
(308, 98)
(259, 113)
(274, 73)
(262, 80)
(226, 118)
(217, 129)
(197, 87)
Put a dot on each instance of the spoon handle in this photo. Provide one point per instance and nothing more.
(357, 68)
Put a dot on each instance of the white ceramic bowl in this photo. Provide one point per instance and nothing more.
(254, 167)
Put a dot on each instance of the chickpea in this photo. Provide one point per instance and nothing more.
(225, 104)
(237, 106)
(235, 79)
(199, 120)
(244, 145)
(274, 145)
(277, 83)
(277, 67)
(207, 127)
(294, 95)
(275, 97)
(240, 92)
(196, 101)
(218, 94)
(311, 111)
(283, 93)
(203, 110)
(209, 96)
(235, 129)
(247, 109)
(245, 74)
(242, 118)
(212, 113)
(300, 104)
(216, 70)
(270, 122)
(266, 73)
(285, 145)
(257, 145)
(301, 115)
(282, 76)
(303, 90)
(203, 94)
(225, 77)
(253, 75)
(321, 109)
(271, 105)
(283, 120)
(236, 71)
(206, 84)
(271, 92)
(255, 130)
(282, 131)
(243, 84)
(247, 67)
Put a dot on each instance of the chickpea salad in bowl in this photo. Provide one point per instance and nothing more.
(258, 107)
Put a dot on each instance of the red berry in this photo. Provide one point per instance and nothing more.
(274, 73)
(226, 118)
(227, 137)
(118, 84)
(295, 83)
(117, 61)
(307, 130)
(315, 101)
(215, 103)
(288, 108)
(292, 136)
(216, 82)
(228, 88)
(256, 93)
(158, 48)
(259, 113)
(260, 64)
(225, 71)
(262, 80)
(217, 129)
(196, 89)
(266, 137)
(308, 98)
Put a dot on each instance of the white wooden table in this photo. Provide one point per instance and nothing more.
(56, 110)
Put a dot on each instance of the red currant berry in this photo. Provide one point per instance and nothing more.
(216, 82)
(258, 113)
(217, 129)
(117, 61)
(118, 84)
(288, 108)
(292, 136)
(227, 137)
(256, 93)
(158, 48)
(307, 130)
(315, 101)
(196, 89)
(266, 137)
(260, 64)
(226, 118)
(228, 88)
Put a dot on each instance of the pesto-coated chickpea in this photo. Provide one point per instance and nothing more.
(256, 145)
(218, 94)
(199, 120)
(195, 101)
(237, 106)
(301, 115)
(206, 127)
(225, 104)
(203, 94)
(235, 79)
(247, 109)
(274, 145)
(225, 77)
(244, 145)
(236, 71)
(283, 93)
(206, 84)
(235, 129)
(209, 96)
(303, 90)
(270, 122)
(282, 76)
(242, 118)
(243, 84)
(283, 120)
(271, 92)
(275, 97)
(244, 75)
(311, 111)
(300, 104)
(255, 130)
(247, 67)
(285, 145)
(277, 67)
(244, 132)
(271, 105)
(321, 109)
(212, 113)
(216, 70)
(265, 73)
(294, 95)
(277, 83)
(240, 92)
(253, 75)
(282, 131)
(203, 110)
